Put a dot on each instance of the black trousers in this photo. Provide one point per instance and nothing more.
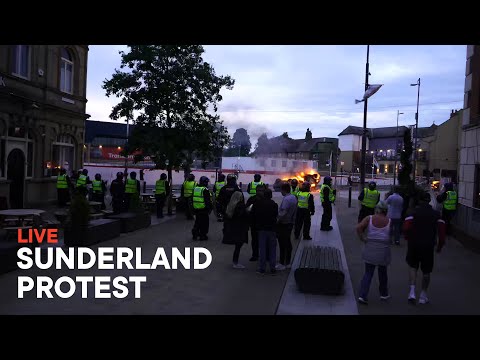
(189, 207)
(128, 197)
(117, 204)
(160, 200)
(364, 212)
(254, 234)
(447, 216)
(201, 225)
(236, 252)
(99, 197)
(326, 216)
(219, 210)
(63, 196)
(303, 219)
(284, 232)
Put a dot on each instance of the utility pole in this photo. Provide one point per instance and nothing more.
(364, 136)
(416, 131)
(396, 151)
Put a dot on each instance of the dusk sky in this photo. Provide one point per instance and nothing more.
(292, 88)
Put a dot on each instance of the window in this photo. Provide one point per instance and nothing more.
(284, 163)
(21, 61)
(274, 163)
(66, 72)
(62, 154)
(262, 162)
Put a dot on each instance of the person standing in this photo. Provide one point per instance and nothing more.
(264, 214)
(216, 189)
(132, 188)
(99, 189)
(236, 226)
(420, 230)
(82, 182)
(162, 188)
(117, 190)
(327, 198)
(253, 230)
(186, 193)
(294, 186)
(377, 252)
(305, 211)
(202, 207)
(449, 200)
(226, 193)
(369, 198)
(63, 188)
(395, 208)
(285, 223)
(252, 187)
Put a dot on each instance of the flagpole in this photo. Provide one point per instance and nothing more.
(364, 135)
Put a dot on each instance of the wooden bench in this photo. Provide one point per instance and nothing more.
(320, 271)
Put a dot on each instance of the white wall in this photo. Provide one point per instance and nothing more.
(271, 165)
(350, 142)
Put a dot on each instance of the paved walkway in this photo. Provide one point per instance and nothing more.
(293, 302)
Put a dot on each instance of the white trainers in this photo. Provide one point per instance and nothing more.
(238, 266)
(423, 298)
(280, 267)
(385, 298)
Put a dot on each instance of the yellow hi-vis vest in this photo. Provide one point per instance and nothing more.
(82, 181)
(131, 186)
(62, 182)
(450, 202)
(188, 187)
(303, 197)
(198, 200)
(253, 187)
(218, 186)
(295, 191)
(160, 187)
(97, 186)
(370, 198)
(331, 197)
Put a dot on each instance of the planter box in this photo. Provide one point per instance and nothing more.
(97, 231)
(133, 221)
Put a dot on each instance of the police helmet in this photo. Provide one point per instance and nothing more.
(163, 176)
(257, 177)
(372, 185)
(306, 186)
(327, 180)
(191, 177)
(221, 177)
(204, 181)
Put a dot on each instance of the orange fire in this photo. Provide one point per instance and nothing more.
(300, 177)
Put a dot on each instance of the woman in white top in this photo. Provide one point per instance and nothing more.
(376, 251)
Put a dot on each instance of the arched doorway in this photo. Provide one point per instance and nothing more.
(16, 173)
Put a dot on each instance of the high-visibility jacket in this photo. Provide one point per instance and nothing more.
(62, 182)
(198, 199)
(450, 202)
(97, 186)
(370, 198)
(131, 186)
(188, 187)
(218, 185)
(303, 197)
(253, 187)
(295, 191)
(331, 197)
(82, 181)
(160, 187)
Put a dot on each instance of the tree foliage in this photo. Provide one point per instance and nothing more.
(240, 144)
(262, 144)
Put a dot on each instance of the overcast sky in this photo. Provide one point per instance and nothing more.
(292, 88)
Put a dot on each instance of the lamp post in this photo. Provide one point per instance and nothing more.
(396, 151)
(364, 135)
(416, 131)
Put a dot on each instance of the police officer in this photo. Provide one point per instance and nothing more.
(63, 186)
(132, 188)
(327, 197)
(186, 194)
(295, 188)
(202, 207)
(252, 187)
(162, 189)
(306, 208)
(369, 197)
(82, 182)
(117, 190)
(449, 199)
(216, 188)
(99, 189)
(226, 192)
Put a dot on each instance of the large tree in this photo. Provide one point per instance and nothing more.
(262, 144)
(240, 144)
(171, 94)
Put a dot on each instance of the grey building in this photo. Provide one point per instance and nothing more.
(42, 118)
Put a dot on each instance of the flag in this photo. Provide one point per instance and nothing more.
(372, 89)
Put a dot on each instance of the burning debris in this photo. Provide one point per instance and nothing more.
(311, 176)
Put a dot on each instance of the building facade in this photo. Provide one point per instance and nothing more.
(42, 118)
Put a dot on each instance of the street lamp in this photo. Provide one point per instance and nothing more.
(396, 151)
(416, 131)
(364, 133)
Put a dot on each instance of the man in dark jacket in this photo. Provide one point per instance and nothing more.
(186, 194)
(216, 190)
(162, 190)
(117, 190)
(202, 207)
(226, 192)
(305, 211)
(253, 231)
(132, 188)
(420, 230)
(327, 198)
(63, 188)
(264, 213)
(98, 190)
